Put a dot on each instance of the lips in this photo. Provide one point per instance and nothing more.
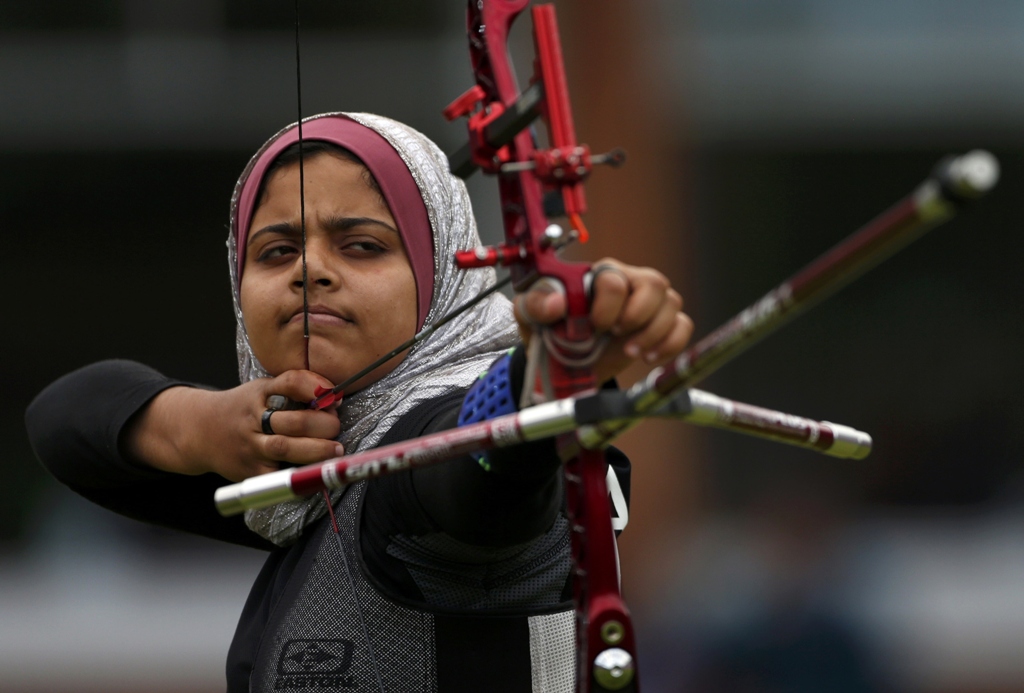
(321, 315)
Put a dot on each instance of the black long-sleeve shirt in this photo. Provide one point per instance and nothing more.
(76, 425)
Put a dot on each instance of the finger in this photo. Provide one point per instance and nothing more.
(300, 386)
(674, 298)
(653, 332)
(673, 344)
(542, 304)
(278, 448)
(650, 289)
(304, 423)
(610, 291)
(252, 469)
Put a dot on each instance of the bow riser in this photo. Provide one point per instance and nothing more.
(524, 173)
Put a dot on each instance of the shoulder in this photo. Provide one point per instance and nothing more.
(429, 416)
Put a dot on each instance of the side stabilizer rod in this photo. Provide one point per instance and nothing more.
(705, 409)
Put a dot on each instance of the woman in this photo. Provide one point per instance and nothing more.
(448, 578)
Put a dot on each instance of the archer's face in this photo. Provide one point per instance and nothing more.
(361, 290)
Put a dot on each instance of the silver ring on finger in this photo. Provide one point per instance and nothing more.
(276, 402)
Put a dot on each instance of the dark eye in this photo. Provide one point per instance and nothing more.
(275, 252)
(365, 247)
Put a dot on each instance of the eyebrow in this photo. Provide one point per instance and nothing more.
(282, 229)
(346, 223)
(331, 223)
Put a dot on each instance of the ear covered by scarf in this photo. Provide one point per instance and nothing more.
(432, 210)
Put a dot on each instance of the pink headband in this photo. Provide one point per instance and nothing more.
(392, 175)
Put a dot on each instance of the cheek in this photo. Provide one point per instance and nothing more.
(249, 301)
(409, 301)
(246, 300)
(390, 292)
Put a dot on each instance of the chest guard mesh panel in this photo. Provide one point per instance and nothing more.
(314, 641)
(553, 652)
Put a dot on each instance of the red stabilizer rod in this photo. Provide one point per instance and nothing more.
(489, 256)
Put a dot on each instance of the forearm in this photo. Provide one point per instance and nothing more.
(510, 496)
(76, 424)
(517, 500)
(192, 430)
(77, 427)
(165, 432)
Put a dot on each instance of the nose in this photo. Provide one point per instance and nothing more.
(320, 270)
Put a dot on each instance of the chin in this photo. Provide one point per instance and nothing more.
(295, 361)
(331, 371)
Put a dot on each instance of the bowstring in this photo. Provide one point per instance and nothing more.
(305, 337)
(302, 192)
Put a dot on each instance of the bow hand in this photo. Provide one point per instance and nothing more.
(636, 308)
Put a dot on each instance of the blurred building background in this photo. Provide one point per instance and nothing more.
(760, 133)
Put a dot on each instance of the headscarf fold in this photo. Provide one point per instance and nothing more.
(448, 360)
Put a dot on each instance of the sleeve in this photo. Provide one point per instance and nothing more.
(512, 501)
(75, 426)
(515, 499)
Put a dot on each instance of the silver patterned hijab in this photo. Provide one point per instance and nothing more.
(450, 359)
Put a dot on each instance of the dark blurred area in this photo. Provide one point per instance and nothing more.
(920, 352)
(124, 123)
